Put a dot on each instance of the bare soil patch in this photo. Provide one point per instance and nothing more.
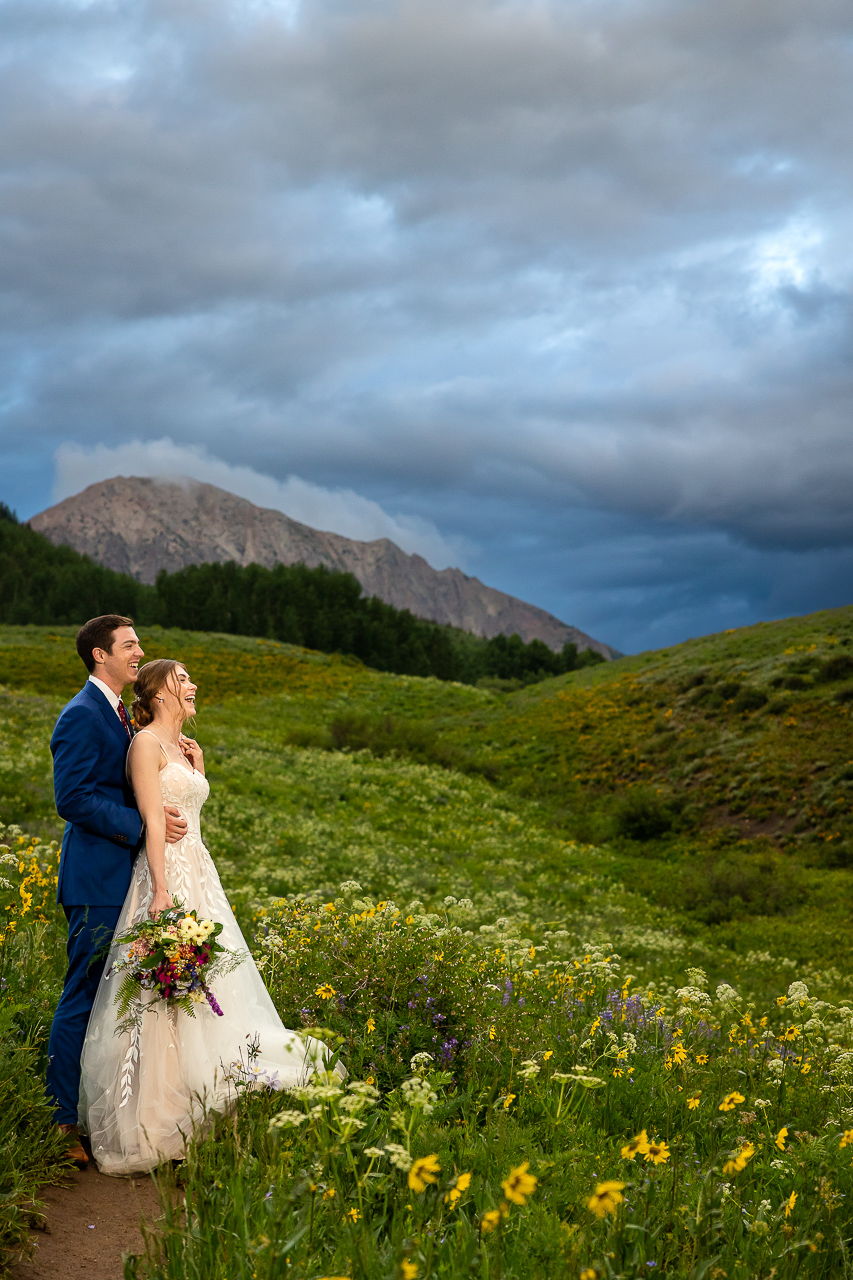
(90, 1224)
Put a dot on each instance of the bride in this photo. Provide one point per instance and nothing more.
(143, 1091)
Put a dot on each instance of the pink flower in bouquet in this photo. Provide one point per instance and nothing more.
(141, 947)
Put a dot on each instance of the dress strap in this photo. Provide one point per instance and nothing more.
(153, 735)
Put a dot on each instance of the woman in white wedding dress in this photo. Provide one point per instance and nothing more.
(143, 1091)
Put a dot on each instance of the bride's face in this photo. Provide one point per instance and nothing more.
(179, 695)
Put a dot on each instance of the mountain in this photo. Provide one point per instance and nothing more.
(138, 525)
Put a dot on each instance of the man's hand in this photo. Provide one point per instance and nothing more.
(176, 825)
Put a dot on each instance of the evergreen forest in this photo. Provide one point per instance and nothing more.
(42, 584)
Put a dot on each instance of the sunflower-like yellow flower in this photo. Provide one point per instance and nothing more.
(638, 1144)
(606, 1198)
(424, 1173)
(781, 1136)
(326, 991)
(789, 1204)
(453, 1196)
(519, 1184)
(658, 1153)
(846, 1139)
(739, 1162)
(731, 1100)
(491, 1219)
(694, 1100)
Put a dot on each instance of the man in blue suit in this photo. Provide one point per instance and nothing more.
(102, 835)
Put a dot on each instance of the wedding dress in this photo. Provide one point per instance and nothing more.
(143, 1091)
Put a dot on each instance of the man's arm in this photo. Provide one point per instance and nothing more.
(76, 760)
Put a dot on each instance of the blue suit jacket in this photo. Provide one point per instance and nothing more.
(103, 827)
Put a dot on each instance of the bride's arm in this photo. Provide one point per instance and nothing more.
(144, 769)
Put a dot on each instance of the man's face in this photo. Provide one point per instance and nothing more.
(119, 667)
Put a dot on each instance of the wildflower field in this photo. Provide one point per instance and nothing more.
(581, 947)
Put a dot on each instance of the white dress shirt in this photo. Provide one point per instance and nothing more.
(112, 698)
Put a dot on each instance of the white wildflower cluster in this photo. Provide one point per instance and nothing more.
(728, 998)
(529, 1069)
(287, 1120)
(398, 1156)
(418, 1095)
(798, 994)
(622, 1047)
(421, 1062)
(696, 1000)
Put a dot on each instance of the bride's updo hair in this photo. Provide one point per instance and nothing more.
(150, 679)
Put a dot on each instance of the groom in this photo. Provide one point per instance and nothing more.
(102, 834)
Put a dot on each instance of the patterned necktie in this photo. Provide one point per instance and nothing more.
(122, 715)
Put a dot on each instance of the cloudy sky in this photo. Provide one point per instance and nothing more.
(556, 290)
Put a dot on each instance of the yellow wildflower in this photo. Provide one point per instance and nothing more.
(490, 1220)
(679, 1054)
(329, 1193)
(741, 1160)
(509, 1100)
(423, 1173)
(694, 1100)
(326, 991)
(408, 1270)
(492, 1033)
(618, 1073)
(658, 1153)
(789, 1204)
(846, 1139)
(639, 1144)
(731, 1100)
(549, 1053)
(606, 1198)
(353, 1214)
(519, 1184)
(371, 1026)
(780, 1138)
(589, 1273)
(701, 1059)
(453, 1196)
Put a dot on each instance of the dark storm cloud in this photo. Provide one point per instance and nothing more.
(569, 280)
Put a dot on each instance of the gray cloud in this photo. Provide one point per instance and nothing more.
(522, 270)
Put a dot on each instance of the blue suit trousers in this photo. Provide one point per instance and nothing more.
(89, 928)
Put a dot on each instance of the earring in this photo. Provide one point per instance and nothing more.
(159, 699)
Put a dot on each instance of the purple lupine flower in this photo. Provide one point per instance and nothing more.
(211, 1000)
(507, 996)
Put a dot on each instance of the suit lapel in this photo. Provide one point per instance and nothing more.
(107, 712)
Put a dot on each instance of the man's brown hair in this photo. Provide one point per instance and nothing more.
(99, 633)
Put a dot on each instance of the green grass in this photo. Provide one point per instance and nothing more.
(641, 819)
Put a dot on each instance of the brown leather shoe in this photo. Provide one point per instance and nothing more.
(74, 1151)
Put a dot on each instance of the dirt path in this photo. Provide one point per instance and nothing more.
(90, 1224)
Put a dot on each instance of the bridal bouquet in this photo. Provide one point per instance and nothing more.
(175, 957)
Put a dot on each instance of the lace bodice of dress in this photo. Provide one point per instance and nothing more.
(187, 790)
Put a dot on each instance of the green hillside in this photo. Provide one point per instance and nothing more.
(718, 774)
(572, 869)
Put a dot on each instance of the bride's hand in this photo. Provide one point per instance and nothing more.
(192, 752)
(162, 901)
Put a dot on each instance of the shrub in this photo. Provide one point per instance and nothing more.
(729, 885)
(643, 815)
(750, 700)
(840, 667)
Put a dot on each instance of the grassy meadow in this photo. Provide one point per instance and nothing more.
(582, 947)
